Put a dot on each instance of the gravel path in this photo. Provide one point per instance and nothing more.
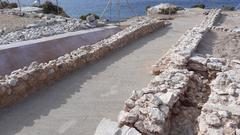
(76, 104)
(12, 22)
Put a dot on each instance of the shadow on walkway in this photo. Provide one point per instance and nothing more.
(24, 114)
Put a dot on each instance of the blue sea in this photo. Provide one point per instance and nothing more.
(76, 8)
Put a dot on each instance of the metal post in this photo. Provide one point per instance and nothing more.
(57, 7)
(19, 4)
(39, 2)
(110, 11)
(119, 11)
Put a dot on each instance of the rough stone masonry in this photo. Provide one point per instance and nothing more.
(21, 83)
(154, 109)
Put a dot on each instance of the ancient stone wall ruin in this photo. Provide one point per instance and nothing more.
(172, 101)
(21, 83)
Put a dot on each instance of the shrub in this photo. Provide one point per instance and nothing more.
(84, 17)
(199, 6)
(168, 11)
(50, 8)
(4, 4)
(228, 8)
(147, 7)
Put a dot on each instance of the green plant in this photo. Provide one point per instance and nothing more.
(5, 4)
(167, 11)
(147, 7)
(228, 8)
(50, 8)
(199, 6)
(84, 17)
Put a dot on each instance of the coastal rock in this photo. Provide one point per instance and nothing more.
(90, 18)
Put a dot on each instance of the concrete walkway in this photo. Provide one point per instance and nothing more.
(76, 104)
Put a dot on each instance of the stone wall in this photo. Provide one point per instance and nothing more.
(220, 115)
(49, 48)
(151, 110)
(21, 83)
(225, 29)
(180, 53)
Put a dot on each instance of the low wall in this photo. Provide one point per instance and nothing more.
(220, 115)
(21, 83)
(151, 110)
(48, 48)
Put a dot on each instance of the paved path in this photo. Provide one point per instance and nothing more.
(76, 104)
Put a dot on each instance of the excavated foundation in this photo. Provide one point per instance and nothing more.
(186, 111)
(191, 94)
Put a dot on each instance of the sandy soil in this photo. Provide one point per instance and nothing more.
(12, 22)
(229, 19)
(221, 44)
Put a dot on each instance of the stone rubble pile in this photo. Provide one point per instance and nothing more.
(151, 109)
(21, 83)
(46, 25)
(225, 29)
(220, 115)
(108, 127)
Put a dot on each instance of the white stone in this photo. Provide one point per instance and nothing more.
(165, 109)
(130, 103)
(132, 131)
(213, 120)
(90, 18)
(156, 115)
(223, 114)
(13, 81)
(107, 127)
(124, 130)
(238, 131)
(168, 98)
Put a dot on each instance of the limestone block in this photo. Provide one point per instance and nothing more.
(107, 127)
(169, 98)
(213, 120)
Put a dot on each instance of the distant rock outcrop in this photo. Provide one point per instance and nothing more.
(163, 8)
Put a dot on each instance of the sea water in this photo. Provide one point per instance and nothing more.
(128, 8)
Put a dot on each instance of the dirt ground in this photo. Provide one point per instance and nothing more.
(12, 22)
(230, 19)
(221, 44)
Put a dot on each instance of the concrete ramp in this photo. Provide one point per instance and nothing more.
(48, 48)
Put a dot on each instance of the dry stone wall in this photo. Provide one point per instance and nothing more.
(220, 115)
(180, 53)
(21, 83)
(225, 29)
(151, 109)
